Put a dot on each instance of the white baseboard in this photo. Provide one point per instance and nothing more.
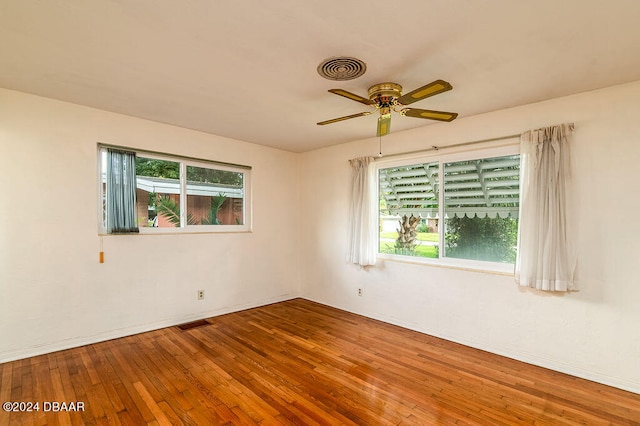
(529, 358)
(75, 342)
(561, 367)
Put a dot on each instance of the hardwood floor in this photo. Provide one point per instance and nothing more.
(298, 362)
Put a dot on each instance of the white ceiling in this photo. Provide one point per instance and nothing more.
(247, 69)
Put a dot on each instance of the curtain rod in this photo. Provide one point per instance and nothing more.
(174, 156)
(437, 148)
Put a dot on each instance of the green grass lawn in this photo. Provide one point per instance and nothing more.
(422, 236)
(420, 250)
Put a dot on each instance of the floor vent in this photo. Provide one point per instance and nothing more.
(194, 324)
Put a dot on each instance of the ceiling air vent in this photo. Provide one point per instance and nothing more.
(341, 68)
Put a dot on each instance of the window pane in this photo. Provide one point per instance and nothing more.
(409, 210)
(214, 197)
(158, 192)
(481, 200)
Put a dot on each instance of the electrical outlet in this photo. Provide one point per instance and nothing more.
(360, 292)
(200, 294)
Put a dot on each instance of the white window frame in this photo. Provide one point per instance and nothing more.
(184, 228)
(442, 158)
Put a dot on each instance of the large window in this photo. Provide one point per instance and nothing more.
(175, 194)
(452, 207)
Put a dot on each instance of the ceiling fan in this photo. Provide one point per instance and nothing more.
(387, 97)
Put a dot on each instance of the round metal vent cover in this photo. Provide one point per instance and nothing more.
(341, 68)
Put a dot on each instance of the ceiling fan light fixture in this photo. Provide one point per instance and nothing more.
(340, 68)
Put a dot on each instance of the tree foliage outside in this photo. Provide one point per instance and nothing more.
(157, 168)
(216, 204)
(168, 208)
(171, 170)
(207, 175)
(489, 239)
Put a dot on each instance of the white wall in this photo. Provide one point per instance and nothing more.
(594, 333)
(53, 291)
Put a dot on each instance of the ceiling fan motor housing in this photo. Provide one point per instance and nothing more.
(385, 93)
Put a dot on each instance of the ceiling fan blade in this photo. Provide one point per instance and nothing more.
(352, 96)
(335, 120)
(384, 125)
(429, 114)
(423, 92)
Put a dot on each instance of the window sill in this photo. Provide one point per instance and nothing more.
(178, 231)
(495, 268)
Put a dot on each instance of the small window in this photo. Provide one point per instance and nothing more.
(442, 209)
(175, 194)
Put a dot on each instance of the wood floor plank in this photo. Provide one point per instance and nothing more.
(300, 363)
(151, 404)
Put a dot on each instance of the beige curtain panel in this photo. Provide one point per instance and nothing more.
(546, 257)
(363, 215)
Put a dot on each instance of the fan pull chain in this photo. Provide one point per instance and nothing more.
(380, 150)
